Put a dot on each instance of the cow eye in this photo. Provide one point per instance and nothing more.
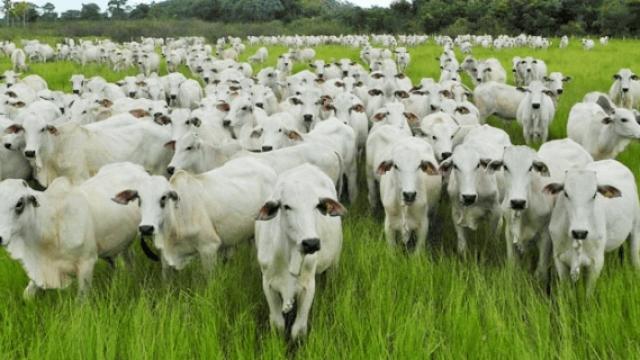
(594, 195)
(20, 206)
(624, 120)
(478, 167)
(505, 167)
(244, 108)
(434, 137)
(189, 148)
(286, 207)
(395, 166)
(565, 194)
(455, 166)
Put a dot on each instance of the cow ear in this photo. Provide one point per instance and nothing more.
(411, 118)
(553, 189)
(14, 129)
(319, 80)
(331, 207)
(384, 167)
(223, 107)
(139, 113)
(378, 117)
(634, 77)
(546, 78)
(402, 94)
(521, 89)
(312, 65)
(550, 93)
(429, 168)
(173, 196)
(446, 166)
(255, 134)
(293, 135)
(541, 168)
(494, 166)
(329, 107)
(609, 191)
(170, 145)
(420, 133)
(485, 163)
(33, 200)
(567, 79)
(106, 103)
(607, 120)
(162, 120)
(268, 211)
(195, 121)
(463, 110)
(447, 94)
(605, 105)
(125, 196)
(52, 130)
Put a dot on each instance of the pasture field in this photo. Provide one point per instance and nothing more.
(378, 305)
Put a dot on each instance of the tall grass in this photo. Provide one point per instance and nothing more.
(377, 305)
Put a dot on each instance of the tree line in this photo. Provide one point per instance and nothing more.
(452, 17)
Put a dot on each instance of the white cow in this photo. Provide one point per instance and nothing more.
(78, 152)
(149, 63)
(63, 231)
(598, 213)
(603, 131)
(476, 186)
(410, 187)
(189, 95)
(194, 215)
(491, 70)
(536, 111)
(554, 82)
(493, 98)
(625, 91)
(526, 213)
(18, 59)
(298, 235)
(588, 44)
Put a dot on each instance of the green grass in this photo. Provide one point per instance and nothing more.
(377, 305)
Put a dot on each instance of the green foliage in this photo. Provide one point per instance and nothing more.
(90, 12)
(71, 15)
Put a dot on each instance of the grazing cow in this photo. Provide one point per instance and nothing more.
(603, 131)
(625, 91)
(493, 98)
(476, 186)
(536, 111)
(598, 213)
(526, 213)
(298, 235)
(63, 231)
(194, 215)
(410, 187)
(78, 152)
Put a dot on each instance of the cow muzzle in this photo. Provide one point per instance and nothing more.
(266, 148)
(409, 197)
(535, 106)
(308, 118)
(518, 204)
(74, 91)
(146, 230)
(30, 154)
(260, 105)
(579, 234)
(226, 123)
(559, 91)
(469, 199)
(310, 246)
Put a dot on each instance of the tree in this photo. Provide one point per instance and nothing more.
(49, 12)
(90, 12)
(20, 10)
(6, 8)
(116, 8)
(71, 15)
(32, 14)
(141, 11)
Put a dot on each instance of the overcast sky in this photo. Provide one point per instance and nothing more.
(64, 5)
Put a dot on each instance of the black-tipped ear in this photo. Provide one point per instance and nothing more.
(553, 189)
(605, 105)
(33, 200)
(609, 191)
(541, 168)
(493, 166)
(384, 167)
(125, 196)
(268, 211)
(174, 196)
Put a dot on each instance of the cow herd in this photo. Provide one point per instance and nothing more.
(271, 157)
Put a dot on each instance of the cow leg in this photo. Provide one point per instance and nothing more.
(208, 254)
(562, 269)
(374, 194)
(634, 247)
(390, 232)
(422, 231)
(127, 256)
(594, 272)
(31, 290)
(508, 235)
(544, 249)
(305, 299)
(167, 270)
(275, 305)
(352, 181)
(85, 273)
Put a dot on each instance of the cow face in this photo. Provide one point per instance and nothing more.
(16, 212)
(190, 154)
(519, 164)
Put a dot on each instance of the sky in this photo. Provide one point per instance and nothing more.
(64, 5)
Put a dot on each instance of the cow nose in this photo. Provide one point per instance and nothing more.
(267, 148)
(625, 89)
(226, 123)
(559, 91)
(345, 73)
(468, 199)
(308, 118)
(479, 79)
(446, 155)
(9, 85)
(7, 146)
(434, 108)
(174, 97)
(132, 93)
(310, 246)
(30, 153)
(206, 80)
(0, 240)
(171, 170)
(260, 105)
(145, 230)
(518, 204)
(157, 115)
(409, 197)
(535, 106)
(579, 234)
(320, 76)
(74, 91)
(528, 70)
